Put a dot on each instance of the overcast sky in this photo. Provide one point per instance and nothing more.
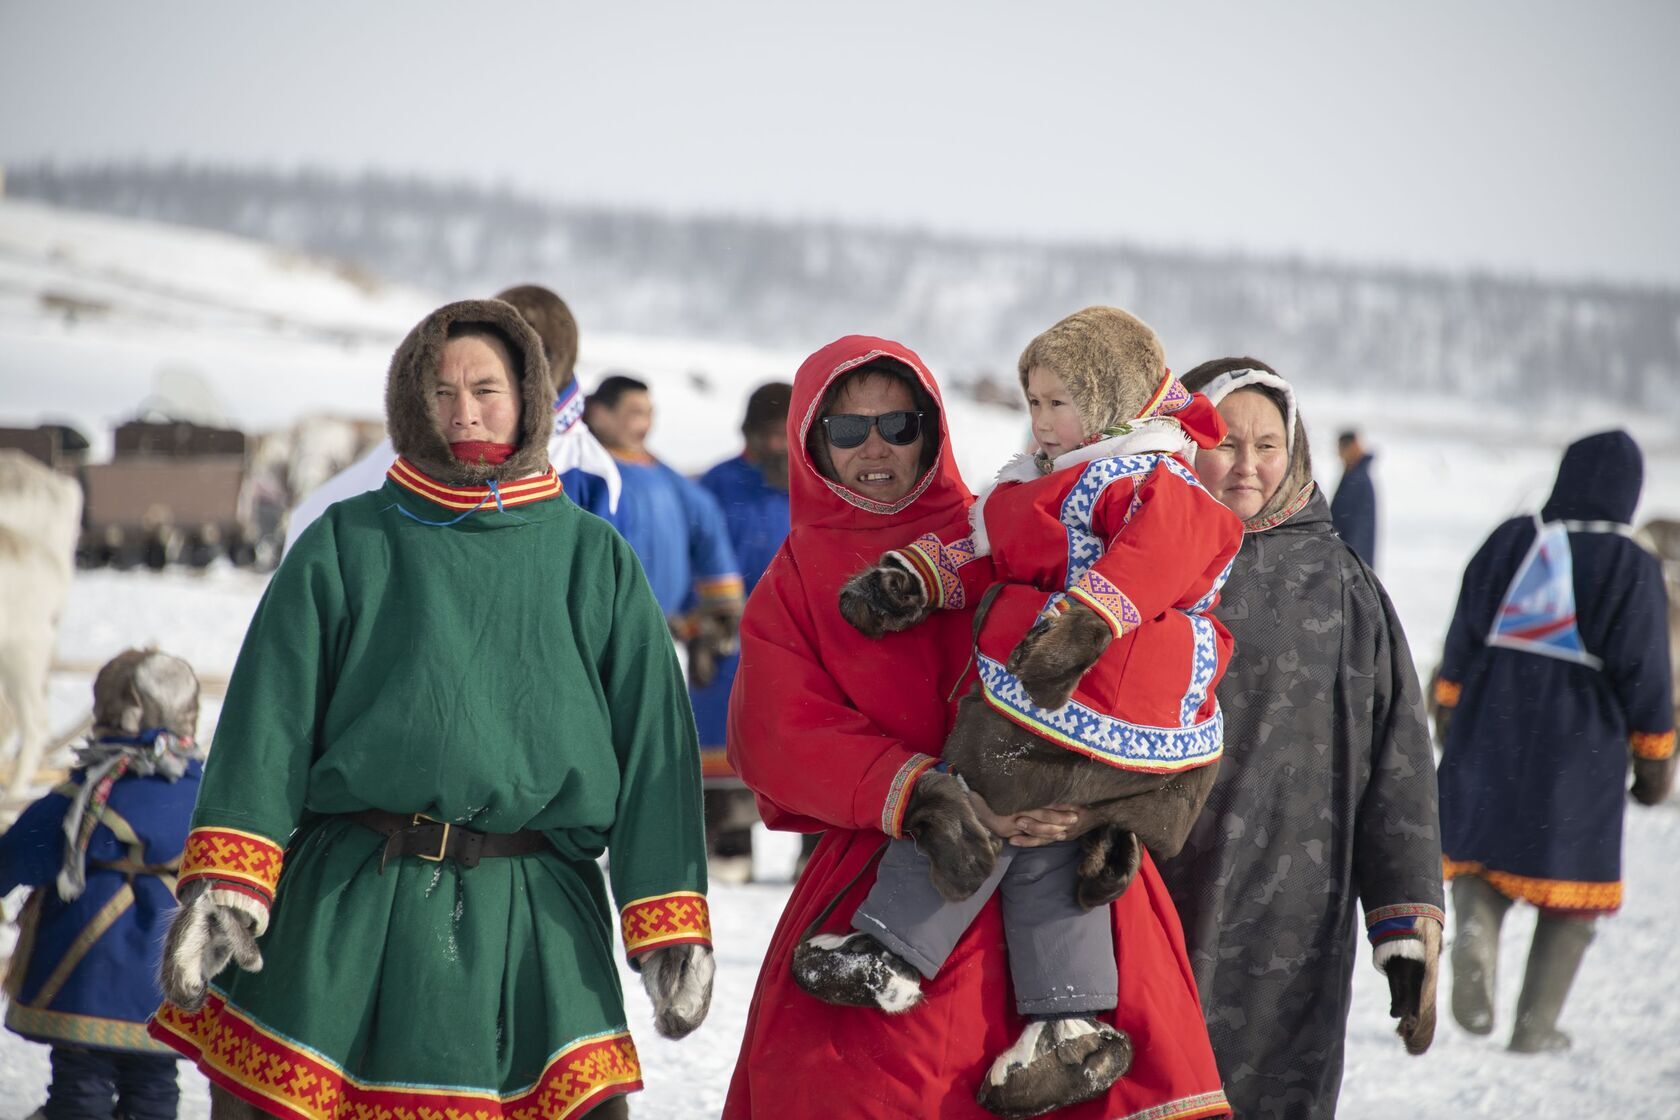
(1527, 136)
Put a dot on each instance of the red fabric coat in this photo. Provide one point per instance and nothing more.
(830, 731)
(1125, 528)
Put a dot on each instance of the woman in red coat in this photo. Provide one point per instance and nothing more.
(832, 731)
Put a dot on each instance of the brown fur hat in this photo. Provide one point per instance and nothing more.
(408, 394)
(143, 688)
(1110, 361)
(1300, 460)
(554, 324)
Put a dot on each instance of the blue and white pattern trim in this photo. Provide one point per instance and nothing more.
(1204, 663)
(568, 408)
(1128, 746)
(1084, 548)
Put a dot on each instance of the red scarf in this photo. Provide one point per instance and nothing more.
(481, 450)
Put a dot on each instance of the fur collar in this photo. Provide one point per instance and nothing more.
(1156, 435)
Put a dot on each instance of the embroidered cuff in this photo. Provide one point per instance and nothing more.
(678, 918)
(1108, 601)
(1655, 745)
(1447, 692)
(898, 794)
(713, 589)
(1393, 931)
(937, 565)
(237, 861)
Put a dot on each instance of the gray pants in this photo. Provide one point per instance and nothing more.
(1061, 958)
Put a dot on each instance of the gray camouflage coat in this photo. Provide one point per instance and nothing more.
(1325, 795)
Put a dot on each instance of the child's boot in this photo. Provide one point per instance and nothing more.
(1055, 1063)
(855, 970)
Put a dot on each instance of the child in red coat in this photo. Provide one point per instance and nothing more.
(1096, 661)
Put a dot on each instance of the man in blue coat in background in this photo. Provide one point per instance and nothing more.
(1354, 508)
(752, 490)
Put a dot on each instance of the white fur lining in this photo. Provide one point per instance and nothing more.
(243, 905)
(1156, 434)
(1408, 948)
(1227, 383)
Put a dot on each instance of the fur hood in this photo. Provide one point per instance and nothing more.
(1110, 361)
(408, 395)
(554, 324)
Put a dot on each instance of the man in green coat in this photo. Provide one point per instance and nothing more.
(456, 694)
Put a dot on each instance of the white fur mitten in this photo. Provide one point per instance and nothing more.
(678, 979)
(203, 936)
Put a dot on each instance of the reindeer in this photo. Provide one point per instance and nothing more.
(40, 512)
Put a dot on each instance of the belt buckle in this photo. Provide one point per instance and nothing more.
(443, 841)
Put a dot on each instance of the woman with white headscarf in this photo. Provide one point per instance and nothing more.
(1326, 791)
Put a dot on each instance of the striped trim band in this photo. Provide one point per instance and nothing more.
(898, 794)
(1549, 894)
(678, 918)
(520, 493)
(1654, 745)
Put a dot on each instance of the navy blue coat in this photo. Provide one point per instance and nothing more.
(1533, 775)
(757, 516)
(1354, 511)
(101, 993)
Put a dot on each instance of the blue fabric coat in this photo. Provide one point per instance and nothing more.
(1533, 775)
(101, 994)
(756, 514)
(677, 532)
(1354, 511)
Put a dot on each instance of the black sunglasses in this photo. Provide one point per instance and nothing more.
(847, 430)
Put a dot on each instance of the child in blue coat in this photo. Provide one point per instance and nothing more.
(101, 851)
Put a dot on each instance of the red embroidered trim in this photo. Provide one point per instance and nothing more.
(940, 564)
(242, 858)
(898, 794)
(1108, 601)
(1169, 396)
(679, 918)
(713, 588)
(280, 1077)
(524, 492)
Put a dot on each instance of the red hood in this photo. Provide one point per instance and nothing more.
(937, 499)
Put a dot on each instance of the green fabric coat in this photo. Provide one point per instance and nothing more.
(508, 670)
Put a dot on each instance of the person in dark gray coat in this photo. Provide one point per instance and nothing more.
(1326, 792)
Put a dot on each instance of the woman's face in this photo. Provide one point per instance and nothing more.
(1247, 469)
(884, 472)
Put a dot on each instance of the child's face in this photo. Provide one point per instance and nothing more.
(1056, 425)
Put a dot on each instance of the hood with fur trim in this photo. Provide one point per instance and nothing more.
(1110, 361)
(409, 385)
(552, 319)
(1299, 477)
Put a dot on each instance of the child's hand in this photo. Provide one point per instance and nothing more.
(884, 598)
(1055, 653)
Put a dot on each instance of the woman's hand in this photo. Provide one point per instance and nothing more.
(1033, 828)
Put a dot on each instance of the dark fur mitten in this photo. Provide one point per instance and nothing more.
(961, 851)
(1056, 652)
(710, 633)
(1412, 984)
(1111, 859)
(884, 598)
(1653, 779)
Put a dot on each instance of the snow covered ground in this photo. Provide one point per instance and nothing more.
(275, 337)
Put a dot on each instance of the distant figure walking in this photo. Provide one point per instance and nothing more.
(1556, 669)
(1354, 508)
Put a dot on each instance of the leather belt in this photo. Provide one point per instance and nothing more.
(415, 834)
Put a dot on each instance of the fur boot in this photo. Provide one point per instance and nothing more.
(1475, 955)
(1054, 654)
(1054, 1064)
(678, 979)
(961, 851)
(856, 970)
(887, 597)
(1553, 959)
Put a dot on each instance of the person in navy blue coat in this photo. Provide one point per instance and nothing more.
(752, 491)
(1353, 510)
(101, 851)
(1555, 672)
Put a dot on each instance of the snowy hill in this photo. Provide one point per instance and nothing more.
(91, 308)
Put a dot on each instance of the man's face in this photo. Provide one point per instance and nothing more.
(767, 449)
(876, 469)
(625, 425)
(474, 398)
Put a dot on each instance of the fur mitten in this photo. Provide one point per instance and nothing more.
(710, 633)
(887, 597)
(1653, 779)
(961, 851)
(1413, 968)
(1111, 860)
(203, 936)
(1055, 653)
(678, 979)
